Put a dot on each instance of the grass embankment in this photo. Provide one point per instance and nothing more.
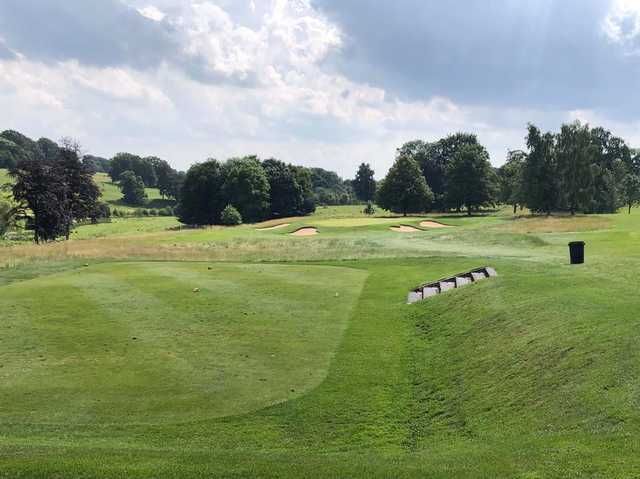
(112, 195)
(531, 374)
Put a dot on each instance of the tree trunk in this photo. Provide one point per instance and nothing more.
(515, 208)
(629, 208)
(468, 210)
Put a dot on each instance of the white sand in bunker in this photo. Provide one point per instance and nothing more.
(276, 227)
(433, 224)
(309, 231)
(404, 229)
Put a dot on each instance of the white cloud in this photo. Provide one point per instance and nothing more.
(268, 91)
(622, 25)
(152, 12)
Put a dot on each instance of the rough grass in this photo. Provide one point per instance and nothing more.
(557, 224)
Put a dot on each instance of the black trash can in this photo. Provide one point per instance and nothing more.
(576, 250)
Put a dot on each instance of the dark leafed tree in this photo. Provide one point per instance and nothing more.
(364, 184)
(575, 159)
(404, 189)
(540, 175)
(132, 188)
(285, 194)
(470, 179)
(52, 193)
(510, 179)
(201, 200)
(246, 187)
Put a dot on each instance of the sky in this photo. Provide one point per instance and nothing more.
(325, 83)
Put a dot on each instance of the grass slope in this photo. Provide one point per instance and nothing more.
(112, 195)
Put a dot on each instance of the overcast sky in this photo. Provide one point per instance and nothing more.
(328, 83)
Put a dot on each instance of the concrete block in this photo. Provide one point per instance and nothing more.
(478, 276)
(447, 285)
(462, 281)
(429, 291)
(414, 297)
(490, 272)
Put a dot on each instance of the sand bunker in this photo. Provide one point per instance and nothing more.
(309, 231)
(433, 224)
(404, 229)
(276, 227)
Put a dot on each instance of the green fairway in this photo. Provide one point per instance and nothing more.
(153, 351)
(320, 369)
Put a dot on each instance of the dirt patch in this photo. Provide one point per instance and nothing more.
(404, 229)
(433, 224)
(276, 227)
(308, 231)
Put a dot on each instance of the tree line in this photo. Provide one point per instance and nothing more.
(250, 189)
(578, 169)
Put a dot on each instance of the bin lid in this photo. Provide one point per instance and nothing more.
(577, 243)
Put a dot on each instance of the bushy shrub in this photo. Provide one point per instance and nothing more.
(230, 216)
(369, 209)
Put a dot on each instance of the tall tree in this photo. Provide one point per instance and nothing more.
(364, 183)
(540, 176)
(575, 156)
(404, 189)
(285, 194)
(510, 179)
(470, 178)
(201, 199)
(303, 178)
(132, 188)
(246, 187)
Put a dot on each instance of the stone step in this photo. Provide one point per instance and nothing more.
(441, 286)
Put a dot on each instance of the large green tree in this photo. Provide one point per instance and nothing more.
(404, 189)
(201, 199)
(576, 157)
(246, 187)
(510, 179)
(470, 179)
(142, 167)
(540, 173)
(433, 159)
(285, 194)
(132, 188)
(364, 184)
